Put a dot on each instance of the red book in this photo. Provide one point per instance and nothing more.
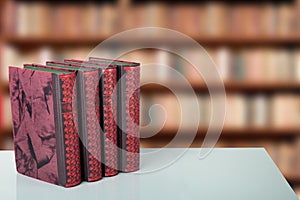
(88, 122)
(128, 76)
(108, 107)
(45, 140)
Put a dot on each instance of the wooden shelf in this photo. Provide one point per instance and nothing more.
(6, 131)
(231, 87)
(293, 177)
(236, 132)
(246, 132)
(31, 40)
(258, 133)
(249, 40)
(4, 88)
(252, 86)
(86, 40)
(4, 134)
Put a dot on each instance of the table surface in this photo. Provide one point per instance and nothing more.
(226, 173)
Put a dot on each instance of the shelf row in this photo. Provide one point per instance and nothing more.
(245, 132)
(242, 87)
(238, 110)
(213, 18)
(254, 66)
(237, 133)
(31, 41)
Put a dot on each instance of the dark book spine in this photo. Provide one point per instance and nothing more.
(108, 121)
(129, 109)
(89, 123)
(68, 148)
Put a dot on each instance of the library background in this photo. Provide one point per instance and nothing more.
(255, 46)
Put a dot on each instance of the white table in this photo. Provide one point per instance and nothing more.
(233, 174)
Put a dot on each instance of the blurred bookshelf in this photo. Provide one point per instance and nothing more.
(256, 47)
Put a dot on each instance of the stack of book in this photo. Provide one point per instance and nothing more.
(75, 120)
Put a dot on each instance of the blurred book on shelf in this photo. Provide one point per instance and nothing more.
(44, 19)
(251, 65)
(39, 18)
(260, 111)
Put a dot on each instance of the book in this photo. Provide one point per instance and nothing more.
(269, 17)
(254, 65)
(128, 77)
(259, 110)
(296, 65)
(285, 15)
(108, 107)
(88, 121)
(287, 104)
(251, 20)
(236, 111)
(217, 18)
(223, 59)
(45, 140)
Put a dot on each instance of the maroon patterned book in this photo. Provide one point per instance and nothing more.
(88, 117)
(46, 142)
(108, 107)
(128, 76)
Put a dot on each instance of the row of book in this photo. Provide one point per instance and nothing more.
(209, 19)
(260, 110)
(75, 120)
(250, 65)
(67, 20)
(219, 18)
(253, 65)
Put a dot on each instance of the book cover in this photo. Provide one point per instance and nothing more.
(128, 77)
(88, 121)
(108, 108)
(45, 140)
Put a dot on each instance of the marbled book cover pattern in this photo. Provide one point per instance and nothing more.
(33, 123)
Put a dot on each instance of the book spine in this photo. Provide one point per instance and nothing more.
(89, 123)
(129, 109)
(108, 122)
(68, 148)
(108, 107)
